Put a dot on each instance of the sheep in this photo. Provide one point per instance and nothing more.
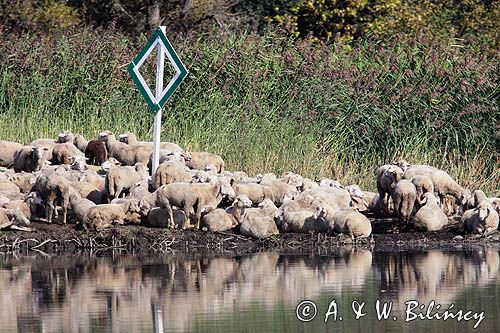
(336, 197)
(302, 221)
(20, 205)
(322, 194)
(96, 152)
(357, 197)
(65, 136)
(50, 188)
(348, 222)
(46, 144)
(327, 182)
(10, 218)
(63, 152)
(268, 208)
(79, 205)
(279, 190)
(8, 151)
(256, 192)
(423, 184)
(29, 159)
(257, 225)
(94, 179)
(24, 181)
(199, 161)
(104, 216)
(191, 195)
(430, 217)
(126, 154)
(171, 172)
(122, 178)
(88, 191)
(167, 155)
(404, 195)
(387, 175)
(130, 139)
(293, 179)
(308, 184)
(222, 220)
(442, 181)
(481, 220)
(80, 142)
(475, 199)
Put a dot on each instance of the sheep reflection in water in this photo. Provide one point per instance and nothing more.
(82, 293)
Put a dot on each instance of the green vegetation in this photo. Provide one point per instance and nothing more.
(270, 103)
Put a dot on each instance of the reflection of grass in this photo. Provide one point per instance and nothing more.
(270, 104)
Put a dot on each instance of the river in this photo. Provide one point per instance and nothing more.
(252, 293)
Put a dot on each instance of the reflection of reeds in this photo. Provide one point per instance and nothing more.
(146, 293)
(270, 104)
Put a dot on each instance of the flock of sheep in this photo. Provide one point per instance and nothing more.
(103, 182)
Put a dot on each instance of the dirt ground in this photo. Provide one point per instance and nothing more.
(54, 238)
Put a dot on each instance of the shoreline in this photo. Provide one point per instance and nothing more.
(54, 239)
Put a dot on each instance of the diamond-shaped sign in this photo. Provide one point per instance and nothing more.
(158, 39)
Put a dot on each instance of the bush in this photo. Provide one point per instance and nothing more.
(43, 15)
(346, 20)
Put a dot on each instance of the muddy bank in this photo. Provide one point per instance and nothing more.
(54, 238)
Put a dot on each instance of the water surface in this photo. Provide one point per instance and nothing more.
(254, 293)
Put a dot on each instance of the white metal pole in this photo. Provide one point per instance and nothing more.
(157, 124)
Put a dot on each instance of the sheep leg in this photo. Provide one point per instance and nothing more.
(197, 206)
(50, 210)
(187, 213)
(65, 211)
(170, 215)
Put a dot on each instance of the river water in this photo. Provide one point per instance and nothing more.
(254, 293)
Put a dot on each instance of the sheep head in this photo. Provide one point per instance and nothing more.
(484, 210)
(242, 201)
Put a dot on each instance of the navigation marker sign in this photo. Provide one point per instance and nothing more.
(158, 39)
(161, 96)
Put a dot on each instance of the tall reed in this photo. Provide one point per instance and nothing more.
(268, 103)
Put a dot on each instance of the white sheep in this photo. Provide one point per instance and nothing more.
(24, 181)
(80, 142)
(88, 191)
(190, 196)
(279, 190)
(126, 154)
(10, 218)
(404, 195)
(308, 184)
(222, 220)
(79, 206)
(256, 192)
(430, 217)
(171, 172)
(7, 152)
(130, 139)
(481, 220)
(257, 225)
(387, 175)
(348, 222)
(442, 181)
(106, 215)
(423, 184)
(199, 160)
(302, 221)
(122, 178)
(62, 153)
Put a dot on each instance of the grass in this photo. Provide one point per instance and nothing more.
(271, 104)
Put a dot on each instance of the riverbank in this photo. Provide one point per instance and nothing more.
(54, 238)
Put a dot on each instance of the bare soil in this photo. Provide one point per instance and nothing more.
(54, 238)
